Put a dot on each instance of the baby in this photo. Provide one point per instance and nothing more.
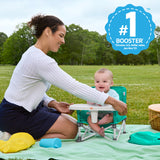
(103, 80)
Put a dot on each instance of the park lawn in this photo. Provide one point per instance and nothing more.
(142, 84)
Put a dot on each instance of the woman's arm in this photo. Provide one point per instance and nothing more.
(51, 72)
(47, 99)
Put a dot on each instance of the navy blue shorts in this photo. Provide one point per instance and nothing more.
(14, 118)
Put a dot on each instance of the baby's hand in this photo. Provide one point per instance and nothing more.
(90, 103)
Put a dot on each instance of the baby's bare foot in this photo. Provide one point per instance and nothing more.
(101, 132)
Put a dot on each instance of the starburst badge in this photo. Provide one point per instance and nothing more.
(130, 29)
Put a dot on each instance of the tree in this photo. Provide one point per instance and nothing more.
(157, 33)
(105, 52)
(90, 44)
(154, 48)
(3, 38)
(153, 52)
(82, 47)
(17, 44)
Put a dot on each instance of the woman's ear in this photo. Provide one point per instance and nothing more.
(47, 31)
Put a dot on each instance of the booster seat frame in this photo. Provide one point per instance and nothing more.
(112, 130)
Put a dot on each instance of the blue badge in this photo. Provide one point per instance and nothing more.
(130, 29)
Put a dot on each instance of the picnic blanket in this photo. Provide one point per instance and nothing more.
(96, 148)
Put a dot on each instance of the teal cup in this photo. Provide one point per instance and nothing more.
(50, 143)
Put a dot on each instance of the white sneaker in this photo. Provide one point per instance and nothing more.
(4, 136)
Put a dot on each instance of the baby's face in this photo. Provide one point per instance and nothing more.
(103, 81)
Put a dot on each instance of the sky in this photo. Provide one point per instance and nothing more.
(89, 14)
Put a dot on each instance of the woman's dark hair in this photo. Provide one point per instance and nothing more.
(40, 22)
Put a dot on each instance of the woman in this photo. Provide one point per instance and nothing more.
(26, 106)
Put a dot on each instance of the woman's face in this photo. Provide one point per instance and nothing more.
(57, 38)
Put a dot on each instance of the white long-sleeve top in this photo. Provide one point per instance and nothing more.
(33, 75)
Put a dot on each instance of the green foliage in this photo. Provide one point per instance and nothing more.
(155, 47)
(17, 44)
(82, 47)
(3, 38)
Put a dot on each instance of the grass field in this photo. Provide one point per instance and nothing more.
(142, 83)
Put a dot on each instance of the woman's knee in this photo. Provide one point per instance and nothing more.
(65, 127)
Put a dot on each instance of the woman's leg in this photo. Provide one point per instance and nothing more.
(63, 128)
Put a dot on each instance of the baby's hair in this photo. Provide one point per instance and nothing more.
(40, 22)
(103, 70)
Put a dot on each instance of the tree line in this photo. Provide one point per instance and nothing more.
(82, 47)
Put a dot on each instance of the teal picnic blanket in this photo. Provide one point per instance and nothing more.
(96, 148)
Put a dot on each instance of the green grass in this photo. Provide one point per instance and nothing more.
(142, 83)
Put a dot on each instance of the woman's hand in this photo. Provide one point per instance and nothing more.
(61, 107)
(119, 106)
